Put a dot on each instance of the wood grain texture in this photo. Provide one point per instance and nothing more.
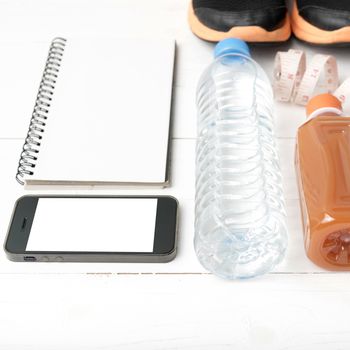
(170, 306)
(132, 312)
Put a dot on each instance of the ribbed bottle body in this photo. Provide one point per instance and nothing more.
(240, 229)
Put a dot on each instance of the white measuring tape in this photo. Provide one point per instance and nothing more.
(295, 82)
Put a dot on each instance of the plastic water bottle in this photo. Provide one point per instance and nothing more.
(240, 228)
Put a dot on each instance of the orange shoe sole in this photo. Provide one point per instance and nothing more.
(248, 33)
(305, 31)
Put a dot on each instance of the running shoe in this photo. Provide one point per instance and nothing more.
(322, 21)
(249, 20)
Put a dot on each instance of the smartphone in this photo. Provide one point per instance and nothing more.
(93, 229)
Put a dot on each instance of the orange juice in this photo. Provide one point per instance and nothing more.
(323, 173)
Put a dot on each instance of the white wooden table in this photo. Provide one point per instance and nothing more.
(167, 306)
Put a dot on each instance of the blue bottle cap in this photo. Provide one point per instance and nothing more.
(231, 45)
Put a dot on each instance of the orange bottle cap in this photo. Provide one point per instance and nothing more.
(321, 104)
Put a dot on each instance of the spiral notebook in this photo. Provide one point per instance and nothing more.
(102, 114)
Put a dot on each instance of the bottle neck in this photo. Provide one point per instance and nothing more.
(331, 111)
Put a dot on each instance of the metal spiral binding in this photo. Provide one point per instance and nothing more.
(30, 150)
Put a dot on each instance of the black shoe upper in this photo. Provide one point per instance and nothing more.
(325, 14)
(222, 15)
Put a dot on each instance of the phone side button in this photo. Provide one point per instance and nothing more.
(44, 259)
(58, 259)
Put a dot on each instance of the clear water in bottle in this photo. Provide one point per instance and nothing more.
(240, 220)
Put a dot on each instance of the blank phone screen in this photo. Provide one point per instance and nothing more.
(93, 225)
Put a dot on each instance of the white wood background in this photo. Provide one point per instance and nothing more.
(142, 306)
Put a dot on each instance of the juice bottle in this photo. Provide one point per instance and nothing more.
(323, 173)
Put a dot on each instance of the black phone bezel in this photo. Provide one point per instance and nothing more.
(25, 207)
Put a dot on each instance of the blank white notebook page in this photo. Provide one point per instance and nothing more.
(110, 114)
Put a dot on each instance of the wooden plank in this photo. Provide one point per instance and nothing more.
(164, 312)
